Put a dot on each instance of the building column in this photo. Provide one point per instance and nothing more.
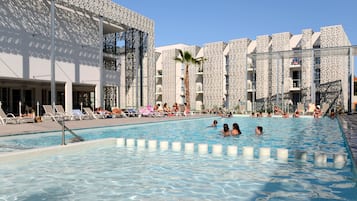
(99, 88)
(312, 74)
(68, 97)
(350, 81)
(53, 69)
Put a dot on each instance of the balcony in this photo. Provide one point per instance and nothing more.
(200, 71)
(250, 86)
(295, 85)
(250, 68)
(199, 89)
(182, 92)
(295, 62)
(158, 91)
(159, 73)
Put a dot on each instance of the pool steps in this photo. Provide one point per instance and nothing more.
(320, 159)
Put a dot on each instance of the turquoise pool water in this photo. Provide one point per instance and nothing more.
(294, 134)
(123, 173)
(112, 173)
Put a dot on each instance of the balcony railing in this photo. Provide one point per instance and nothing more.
(295, 85)
(296, 62)
(199, 88)
(250, 86)
(159, 91)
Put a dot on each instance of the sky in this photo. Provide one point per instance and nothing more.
(197, 22)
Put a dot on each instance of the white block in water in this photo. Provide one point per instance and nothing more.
(339, 160)
(140, 143)
(217, 149)
(120, 142)
(164, 145)
(320, 158)
(130, 142)
(248, 152)
(282, 154)
(264, 153)
(301, 155)
(232, 150)
(152, 144)
(176, 146)
(189, 148)
(202, 148)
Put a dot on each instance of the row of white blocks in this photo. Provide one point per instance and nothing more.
(320, 158)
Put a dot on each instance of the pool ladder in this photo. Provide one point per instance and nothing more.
(76, 138)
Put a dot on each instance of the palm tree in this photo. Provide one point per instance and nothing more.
(187, 59)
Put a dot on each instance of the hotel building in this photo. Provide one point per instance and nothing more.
(75, 53)
(245, 75)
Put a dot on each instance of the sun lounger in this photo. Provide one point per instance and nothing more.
(77, 114)
(50, 113)
(93, 115)
(131, 113)
(117, 113)
(7, 118)
(60, 111)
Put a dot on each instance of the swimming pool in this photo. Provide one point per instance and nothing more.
(294, 134)
(130, 173)
(127, 173)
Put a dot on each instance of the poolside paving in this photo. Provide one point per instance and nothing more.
(49, 125)
(349, 127)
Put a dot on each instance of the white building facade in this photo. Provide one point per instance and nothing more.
(103, 55)
(281, 69)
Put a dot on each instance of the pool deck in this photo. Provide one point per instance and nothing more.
(349, 127)
(49, 125)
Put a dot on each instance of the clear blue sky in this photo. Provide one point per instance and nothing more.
(196, 22)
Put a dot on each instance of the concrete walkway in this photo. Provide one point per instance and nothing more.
(349, 127)
(49, 125)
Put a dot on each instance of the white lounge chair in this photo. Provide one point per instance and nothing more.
(7, 118)
(92, 115)
(49, 113)
(131, 112)
(77, 114)
(60, 111)
(118, 113)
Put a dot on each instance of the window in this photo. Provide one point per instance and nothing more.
(317, 60)
(317, 76)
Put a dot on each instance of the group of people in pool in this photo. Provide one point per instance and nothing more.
(235, 129)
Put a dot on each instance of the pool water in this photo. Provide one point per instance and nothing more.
(121, 173)
(306, 134)
(127, 173)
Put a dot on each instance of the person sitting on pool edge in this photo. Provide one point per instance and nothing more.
(235, 130)
(226, 131)
(259, 130)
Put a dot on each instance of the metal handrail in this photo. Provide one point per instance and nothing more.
(76, 138)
